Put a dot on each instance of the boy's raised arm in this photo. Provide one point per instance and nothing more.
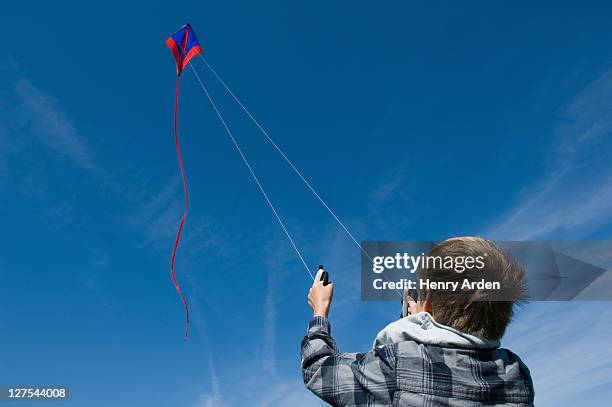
(339, 378)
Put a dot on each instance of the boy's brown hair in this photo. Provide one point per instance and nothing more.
(481, 312)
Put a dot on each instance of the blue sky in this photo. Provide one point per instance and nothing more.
(414, 121)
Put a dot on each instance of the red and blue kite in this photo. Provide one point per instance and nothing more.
(184, 45)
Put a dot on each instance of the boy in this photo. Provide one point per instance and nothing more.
(443, 352)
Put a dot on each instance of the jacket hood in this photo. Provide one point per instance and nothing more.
(424, 329)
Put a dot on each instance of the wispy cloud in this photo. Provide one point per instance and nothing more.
(286, 394)
(160, 213)
(262, 384)
(278, 258)
(157, 216)
(209, 400)
(392, 197)
(268, 393)
(572, 197)
(564, 210)
(37, 135)
(588, 116)
(8, 63)
(578, 337)
(270, 314)
(40, 114)
(213, 398)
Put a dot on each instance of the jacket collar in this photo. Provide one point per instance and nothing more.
(424, 329)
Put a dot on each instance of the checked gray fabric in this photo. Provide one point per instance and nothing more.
(409, 373)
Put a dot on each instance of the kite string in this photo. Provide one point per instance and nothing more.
(248, 165)
(282, 153)
(293, 167)
(180, 228)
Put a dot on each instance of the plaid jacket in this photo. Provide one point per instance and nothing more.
(412, 374)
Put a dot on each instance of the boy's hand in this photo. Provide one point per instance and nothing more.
(320, 297)
(420, 305)
(414, 307)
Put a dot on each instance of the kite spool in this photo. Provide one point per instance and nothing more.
(322, 275)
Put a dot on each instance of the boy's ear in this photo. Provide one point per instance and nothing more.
(427, 307)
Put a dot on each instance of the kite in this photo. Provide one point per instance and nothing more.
(184, 46)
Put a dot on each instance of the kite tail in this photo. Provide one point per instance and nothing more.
(180, 228)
